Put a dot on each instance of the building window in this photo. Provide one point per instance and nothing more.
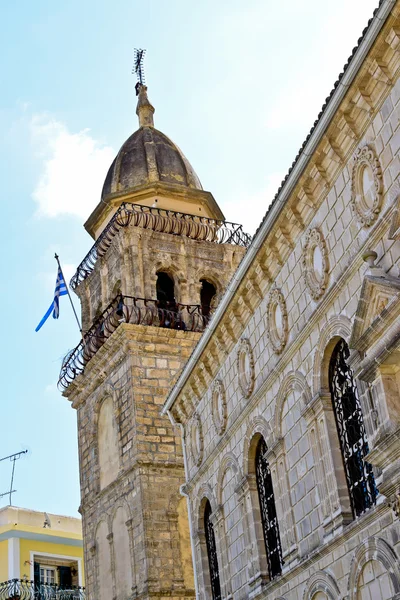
(47, 575)
(351, 431)
(165, 291)
(207, 294)
(212, 553)
(268, 512)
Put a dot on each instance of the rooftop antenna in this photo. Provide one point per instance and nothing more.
(138, 68)
(13, 458)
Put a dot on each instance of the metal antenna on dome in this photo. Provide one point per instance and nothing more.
(138, 68)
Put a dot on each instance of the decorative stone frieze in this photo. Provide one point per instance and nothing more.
(277, 320)
(219, 408)
(196, 440)
(245, 367)
(315, 263)
(366, 185)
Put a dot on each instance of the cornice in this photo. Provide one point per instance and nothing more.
(350, 111)
(118, 348)
(92, 499)
(235, 419)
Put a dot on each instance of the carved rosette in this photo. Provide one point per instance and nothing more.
(196, 440)
(315, 263)
(219, 408)
(277, 320)
(245, 367)
(366, 185)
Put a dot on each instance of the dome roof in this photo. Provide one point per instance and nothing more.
(149, 156)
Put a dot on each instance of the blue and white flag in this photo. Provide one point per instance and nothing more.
(61, 290)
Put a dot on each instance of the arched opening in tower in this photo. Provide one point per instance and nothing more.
(165, 291)
(207, 293)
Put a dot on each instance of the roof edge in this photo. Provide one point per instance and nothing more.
(376, 24)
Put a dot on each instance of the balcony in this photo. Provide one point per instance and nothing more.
(20, 589)
(127, 309)
(163, 221)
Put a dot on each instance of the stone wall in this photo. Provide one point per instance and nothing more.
(265, 371)
(135, 525)
(136, 255)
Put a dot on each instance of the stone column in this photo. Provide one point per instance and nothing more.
(218, 521)
(257, 574)
(382, 382)
(129, 526)
(284, 510)
(332, 484)
(202, 566)
(110, 539)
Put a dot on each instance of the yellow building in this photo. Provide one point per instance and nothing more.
(42, 548)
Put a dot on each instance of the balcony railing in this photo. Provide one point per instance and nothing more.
(127, 309)
(164, 221)
(19, 589)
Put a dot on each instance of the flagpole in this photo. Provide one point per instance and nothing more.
(69, 295)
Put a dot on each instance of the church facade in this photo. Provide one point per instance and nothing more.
(290, 405)
(238, 400)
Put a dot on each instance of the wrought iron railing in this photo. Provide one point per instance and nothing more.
(20, 589)
(137, 311)
(164, 221)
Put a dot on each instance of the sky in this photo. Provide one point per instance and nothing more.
(237, 85)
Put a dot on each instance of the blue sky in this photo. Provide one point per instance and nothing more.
(237, 85)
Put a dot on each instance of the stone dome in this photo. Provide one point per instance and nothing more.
(148, 156)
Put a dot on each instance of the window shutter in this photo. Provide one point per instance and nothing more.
(36, 573)
(65, 577)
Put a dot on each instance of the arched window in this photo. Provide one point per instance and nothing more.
(268, 512)
(165, 290)
(207, 294)
(351, 431)
(212, 553)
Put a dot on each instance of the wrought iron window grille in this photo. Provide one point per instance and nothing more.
(351, 432)
(164, 221)
(269, 518)
(212, 554)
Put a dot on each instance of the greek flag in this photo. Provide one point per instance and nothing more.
(61, 290)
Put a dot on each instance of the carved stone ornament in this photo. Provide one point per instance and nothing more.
(219, 409)
(196, 440)
(245, 368)
(315, 263)
(277, 320)
(366, 185)
(394, 503)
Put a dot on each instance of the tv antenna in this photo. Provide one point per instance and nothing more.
(138, 68)
(13, 458)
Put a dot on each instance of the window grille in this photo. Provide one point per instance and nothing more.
(351, 431)
(268, 512)
(212, 554)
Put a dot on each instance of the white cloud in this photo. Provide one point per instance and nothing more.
(51, 388)
(73, 171)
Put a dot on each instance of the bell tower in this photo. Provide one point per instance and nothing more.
(162, 256)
